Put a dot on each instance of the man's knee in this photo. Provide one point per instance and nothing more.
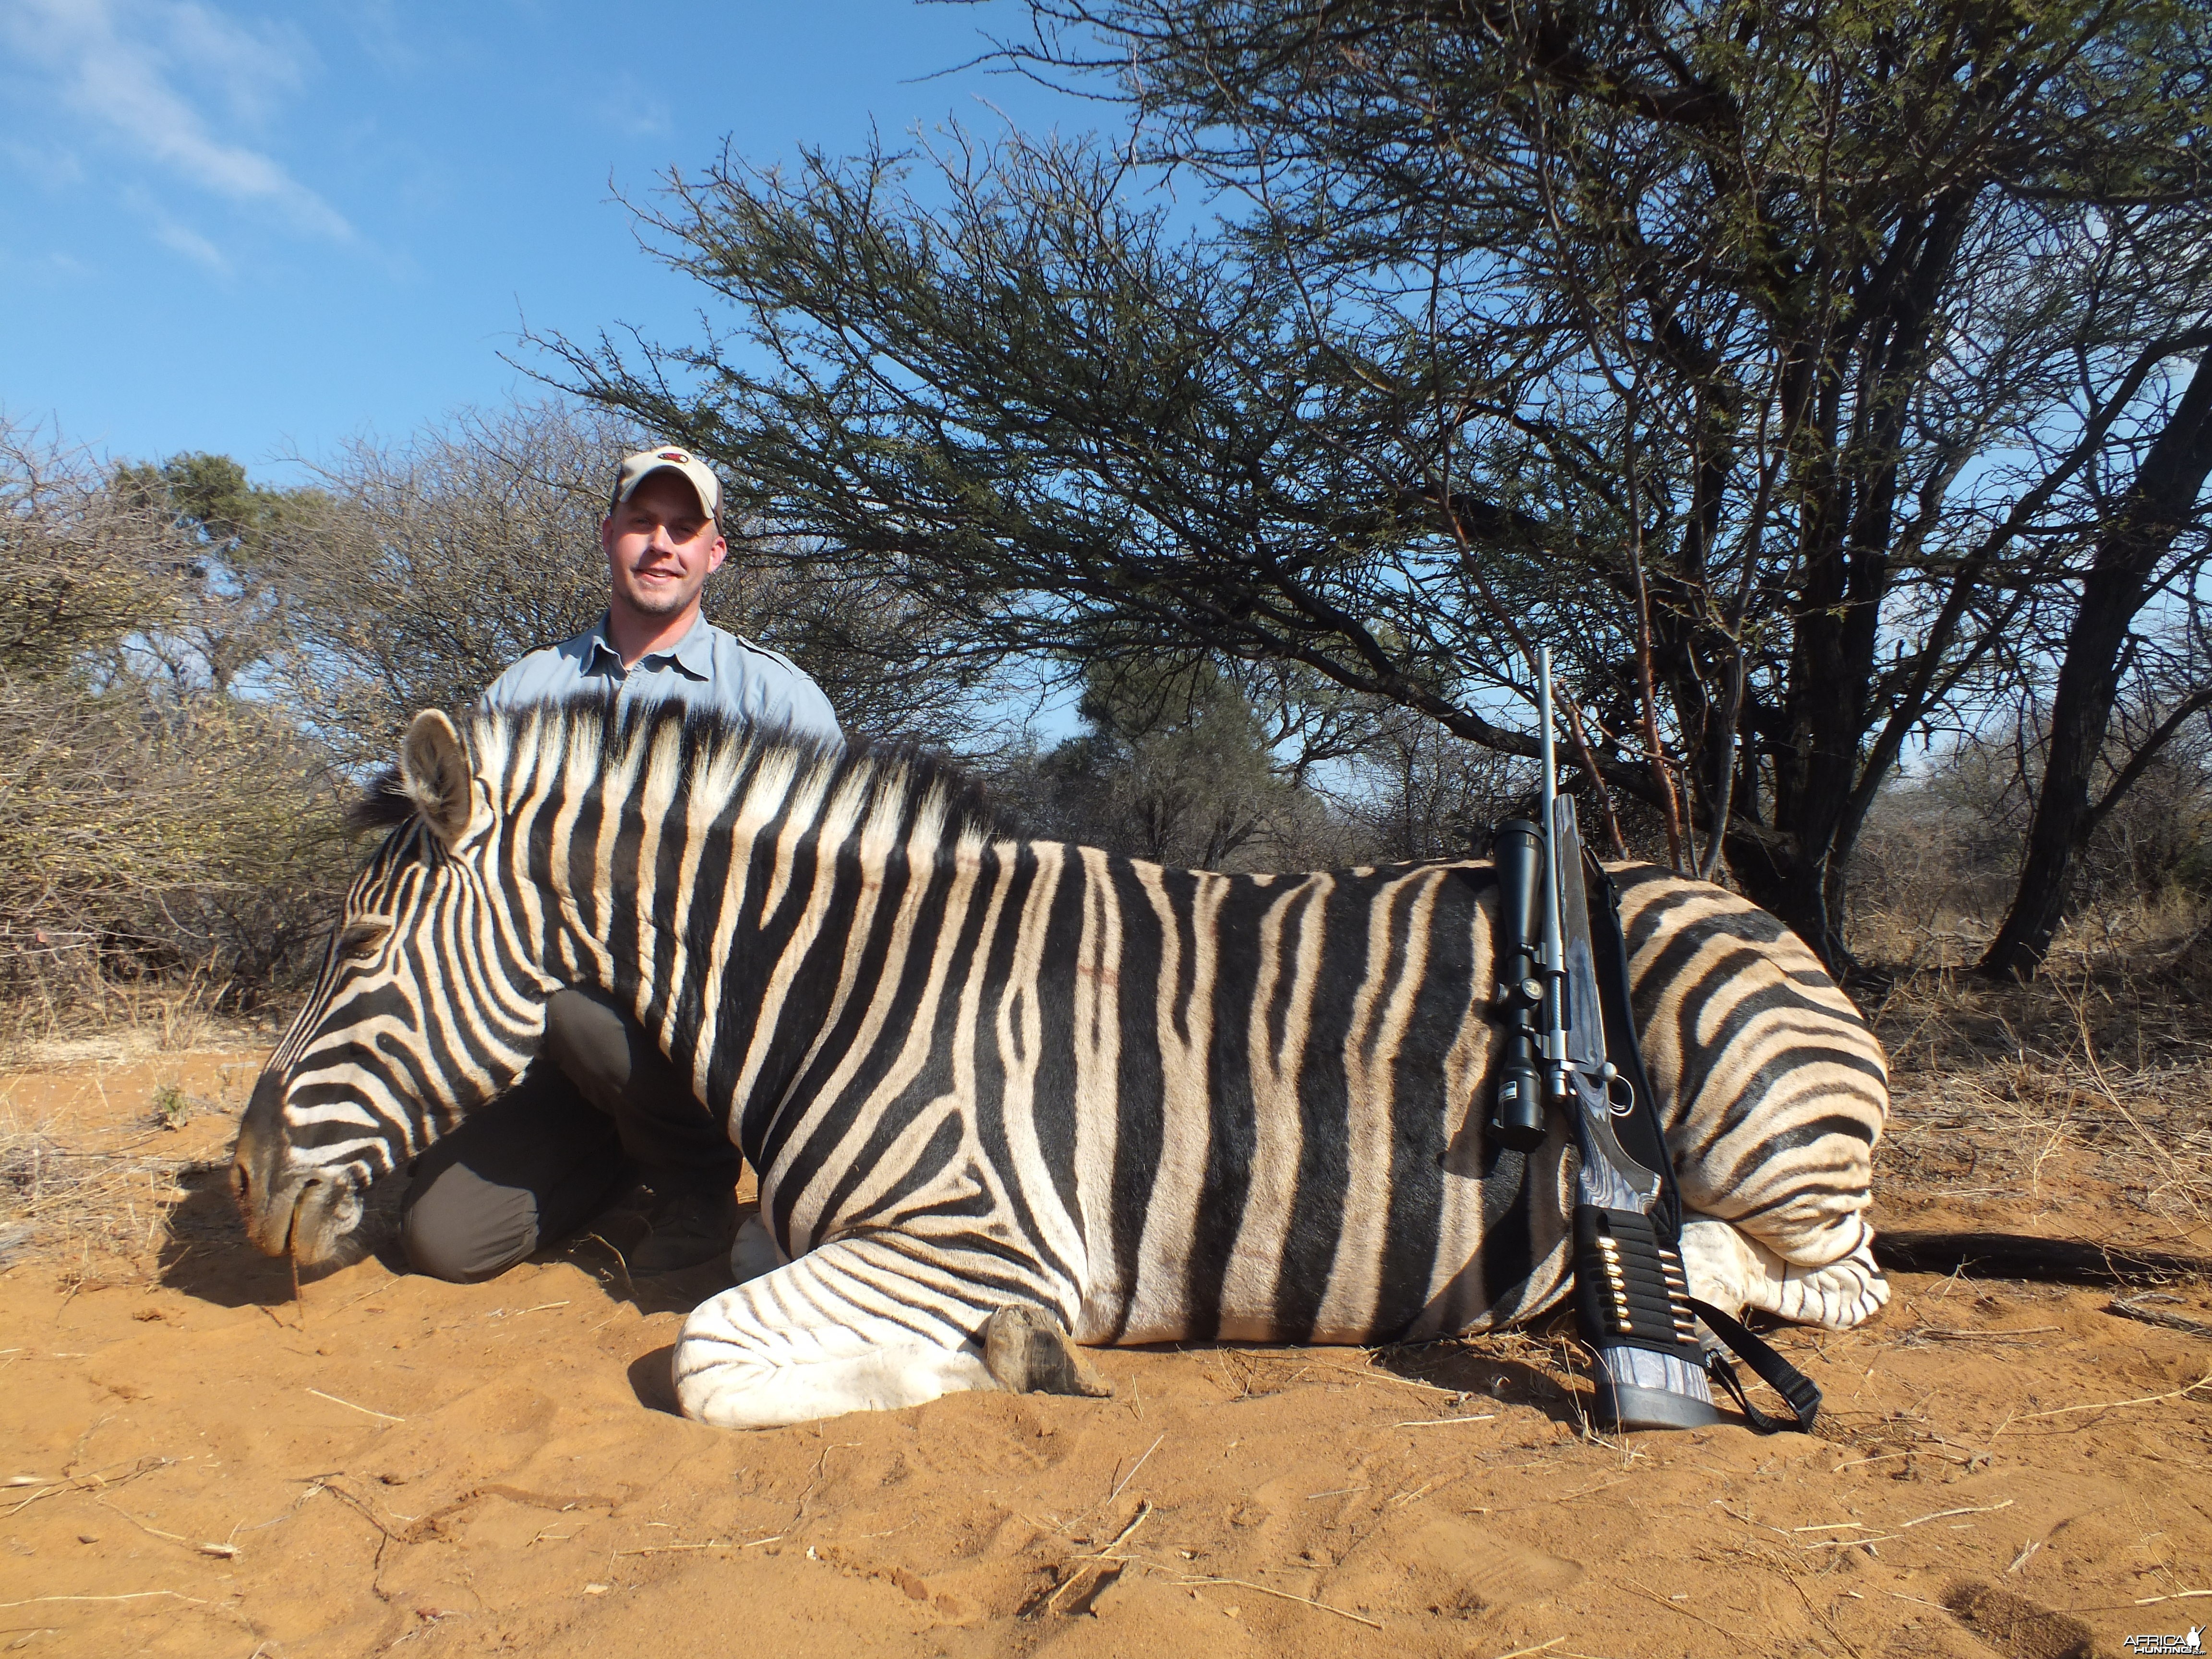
(459, 1227)
(593, 1044)
(615, 1066)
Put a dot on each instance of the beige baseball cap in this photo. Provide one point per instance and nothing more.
(637, 469)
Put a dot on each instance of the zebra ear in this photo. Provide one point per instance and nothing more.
(434, 769)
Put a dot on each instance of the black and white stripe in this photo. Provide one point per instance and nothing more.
(971, 1071)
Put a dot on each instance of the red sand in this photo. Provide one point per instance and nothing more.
(203, 1466)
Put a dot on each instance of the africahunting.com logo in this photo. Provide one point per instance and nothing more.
(2192, 1643)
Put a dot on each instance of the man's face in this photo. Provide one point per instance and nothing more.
(661, 547)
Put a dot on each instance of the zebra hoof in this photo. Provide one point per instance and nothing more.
(1028, 1351)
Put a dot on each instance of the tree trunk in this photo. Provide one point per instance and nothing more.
(1794, 888)
(2154, 512)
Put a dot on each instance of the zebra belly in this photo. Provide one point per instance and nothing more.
(1497, 1251)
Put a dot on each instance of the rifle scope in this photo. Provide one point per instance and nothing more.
(1516, 1113)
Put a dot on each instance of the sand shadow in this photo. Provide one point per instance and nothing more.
(601, 1248)
(1478, 1375)
(652, 1380)
(205, 1253)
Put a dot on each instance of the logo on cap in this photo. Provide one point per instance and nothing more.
(673, 455)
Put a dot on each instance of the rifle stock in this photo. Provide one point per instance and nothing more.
(1631, 1296)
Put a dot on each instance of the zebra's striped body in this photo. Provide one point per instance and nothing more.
(971, 1073)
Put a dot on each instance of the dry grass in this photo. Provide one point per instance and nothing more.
(93, 1209)
(2098, 1077)
(2145, 933)
(72, 1005)
(95, 1177)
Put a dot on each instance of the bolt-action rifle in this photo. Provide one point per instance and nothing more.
(1632, 1299)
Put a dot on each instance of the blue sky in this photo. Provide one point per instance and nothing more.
(258, 229)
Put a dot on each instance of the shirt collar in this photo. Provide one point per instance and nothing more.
(694, 653)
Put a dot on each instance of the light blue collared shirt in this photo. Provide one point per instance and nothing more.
(707, 668)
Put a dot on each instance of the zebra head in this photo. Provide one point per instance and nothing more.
(427, 1005)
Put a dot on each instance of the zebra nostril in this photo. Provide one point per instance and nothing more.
(241, 1184)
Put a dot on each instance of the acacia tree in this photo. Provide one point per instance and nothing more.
(1174, 764)
(2146, 542)
(230, 537)
(149, 823)
(1753, 353)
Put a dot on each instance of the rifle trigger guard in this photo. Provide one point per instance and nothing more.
(1598, 1112)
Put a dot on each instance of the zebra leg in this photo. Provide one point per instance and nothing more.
(1733, 1270)
(850, 1327)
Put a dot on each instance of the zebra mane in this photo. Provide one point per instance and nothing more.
(901, 783)
(381, 804)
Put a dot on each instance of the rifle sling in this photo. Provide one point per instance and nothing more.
(1798, 1391)
(1639, 1133)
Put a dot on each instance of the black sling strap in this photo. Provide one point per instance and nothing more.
(1798, 1391)
(1642, 1138)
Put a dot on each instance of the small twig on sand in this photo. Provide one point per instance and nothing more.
(1823, 1619)
(365, 1410)
(1438, 1422)
(1084, 1563)
(1143, 1513)
(128, 1596)
(1940, 1515)
(2127, 1309)
(373, 1290)
(95, 1479)
(1134, 1468)
(1541, 1647)
(629, 1288)
(155, 1531)
(1376, 1374)
(1285, 1596)
(1676, 1607)
(2115, 1405)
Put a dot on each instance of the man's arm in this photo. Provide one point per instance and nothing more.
(807, 713)
(780, 693)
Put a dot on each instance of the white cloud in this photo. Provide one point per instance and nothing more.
(190, 243)
(49, 166)
(633, 109)
(253, 70)
(172, 80)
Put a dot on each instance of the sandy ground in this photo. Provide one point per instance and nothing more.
(200, 1464)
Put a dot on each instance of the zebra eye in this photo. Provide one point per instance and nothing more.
(360, 938)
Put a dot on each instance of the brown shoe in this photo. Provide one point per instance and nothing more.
(685, 1227)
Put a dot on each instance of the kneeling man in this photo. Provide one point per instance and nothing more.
(601, 1107)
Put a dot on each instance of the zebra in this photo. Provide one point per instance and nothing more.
(979, 1078)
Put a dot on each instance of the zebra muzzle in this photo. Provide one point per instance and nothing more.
(287, 1211)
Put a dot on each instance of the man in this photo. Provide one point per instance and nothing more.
(602, 1104)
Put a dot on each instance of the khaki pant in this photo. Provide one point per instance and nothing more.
(598, 1106)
